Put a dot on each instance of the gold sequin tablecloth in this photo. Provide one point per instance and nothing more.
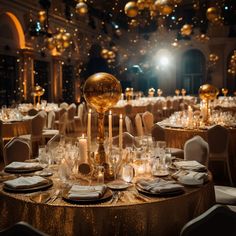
(157, 216)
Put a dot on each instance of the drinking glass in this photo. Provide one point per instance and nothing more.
(127, 173)
(115, 158)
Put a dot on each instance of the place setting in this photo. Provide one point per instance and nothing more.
(81, 194)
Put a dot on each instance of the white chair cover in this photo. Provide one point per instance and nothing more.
(129, 125)
(138, 125)
(16, 149)
(197, 149)
(148, 121)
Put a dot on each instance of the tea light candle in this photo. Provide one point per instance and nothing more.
(100, 176)
(110, 129)
(89, 129)
(83, 149)
(120, 132)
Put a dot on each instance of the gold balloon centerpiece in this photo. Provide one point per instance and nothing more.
(38, 91)
(208, 92)
(151, 92)
(101, 91)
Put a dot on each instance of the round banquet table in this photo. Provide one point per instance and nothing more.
(163, 216)
(176, 138)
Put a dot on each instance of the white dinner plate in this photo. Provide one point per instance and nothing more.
(118, 185)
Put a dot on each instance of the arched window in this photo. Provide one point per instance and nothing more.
(193, 71)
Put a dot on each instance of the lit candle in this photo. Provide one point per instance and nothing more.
(83, 149)
(100, 176)
(89, 129)
(110, 129)
(120, 132)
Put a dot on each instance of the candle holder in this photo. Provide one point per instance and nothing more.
(207, 92)
(101, 91)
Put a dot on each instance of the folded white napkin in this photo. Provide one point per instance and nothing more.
(190, 165)
(26, 182)
(189, 177)
(22, 165)
(159, 186)
(78, 192)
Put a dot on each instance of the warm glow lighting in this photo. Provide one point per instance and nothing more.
(19, 29)
(163, 59)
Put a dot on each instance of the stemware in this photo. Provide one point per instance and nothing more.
(115, 157)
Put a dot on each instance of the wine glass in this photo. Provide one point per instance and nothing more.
(115, 157)
(127, 173)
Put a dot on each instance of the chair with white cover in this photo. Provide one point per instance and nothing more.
(49, 132)
(158, 134)
(218, 140)
(80, 115)
(148, 121)
(16, 149)
(225, 195)
(35, 137)
(138, 125)
(64, 105)
(32, 112)
(22, 228)
(218, 220)
(51, 119)
(128, 140)
(129, 125)
(71, 110)
(61, 124)
(197, 149)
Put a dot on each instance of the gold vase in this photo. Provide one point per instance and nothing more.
(101, 91)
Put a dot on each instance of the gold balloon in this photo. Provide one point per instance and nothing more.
(186, 30)
(213, 14)
(104, 53)
(102, 91)
(42, 16)
(81, 8)
(131, 9)
(164, 7)
(208, 92)
(50, 43)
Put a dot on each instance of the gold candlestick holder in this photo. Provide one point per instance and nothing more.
(208, 92)
(101, 92)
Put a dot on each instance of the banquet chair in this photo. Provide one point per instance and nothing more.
(138, 125)
(128, 140)
(21, 228)
(64, 105)
(158, 134)
(80, 115)
(51, 119)
(129, 125)
(225, 195)
(71, 110)
(32, 112)
(35, 138)
(218, 220)
(218, 140)
(148, 121)
(16, 149)
(61, 124)
(197, 149)
(175, 105)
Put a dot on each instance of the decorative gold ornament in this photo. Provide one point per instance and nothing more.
(151, 92)
(131, 9)
(38, 91)
(213, 57)
(224, 91)
(42, 16)
(81, 8)
(208, 92)
(177, 92)
(129, 93)
(186, 30)
(101, 92)
(213, 14)
(164, 7)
